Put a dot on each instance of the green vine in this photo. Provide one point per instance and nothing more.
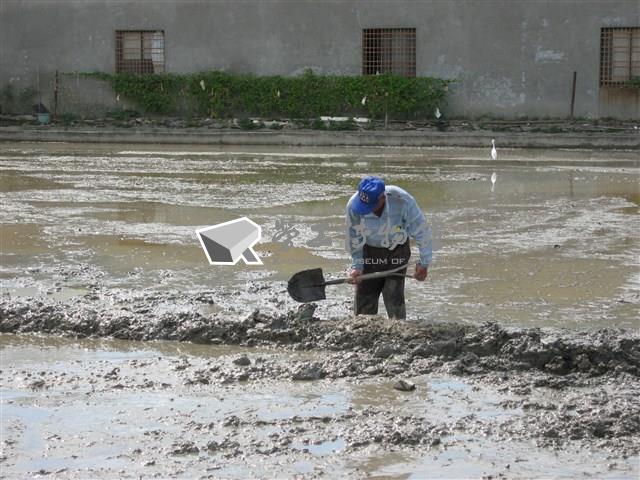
(634, 82)
(224, 95)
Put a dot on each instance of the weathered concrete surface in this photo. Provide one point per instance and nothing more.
(416, 138)
(510, 58)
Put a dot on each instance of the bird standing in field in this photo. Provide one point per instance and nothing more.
(437, 113)
(494, 152)
(494, 177)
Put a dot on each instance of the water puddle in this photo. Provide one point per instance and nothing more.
(555, 243)
(108, 406)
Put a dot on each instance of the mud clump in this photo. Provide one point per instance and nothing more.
(346, 402)
(309, 371)
(468, 349)
(186, 448)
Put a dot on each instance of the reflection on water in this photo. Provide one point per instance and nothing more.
(555, 243)
(47, 349)
(85, 423)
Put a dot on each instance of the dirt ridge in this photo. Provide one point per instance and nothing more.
(487, 346)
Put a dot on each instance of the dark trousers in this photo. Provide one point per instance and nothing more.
(392, 288)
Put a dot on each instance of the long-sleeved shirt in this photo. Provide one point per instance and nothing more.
(401, 218)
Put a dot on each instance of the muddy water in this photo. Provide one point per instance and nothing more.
(100, 238)
(555, 243)
(105, 409)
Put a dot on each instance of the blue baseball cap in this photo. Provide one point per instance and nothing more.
(369, 191)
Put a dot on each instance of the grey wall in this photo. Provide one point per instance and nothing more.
(512, 57)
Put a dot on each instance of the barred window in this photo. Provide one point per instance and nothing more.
(139, 51)
(389, 50)
(619, 55)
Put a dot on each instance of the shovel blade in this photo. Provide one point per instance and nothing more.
(307, 286)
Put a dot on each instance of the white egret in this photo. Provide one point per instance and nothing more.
(494, 177)
(437, 113)
(278, 94)
(364, 100)
(202, 85)
(494, 152)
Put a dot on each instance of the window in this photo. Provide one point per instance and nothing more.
(389, 50)
(619, 55)
(139, 51)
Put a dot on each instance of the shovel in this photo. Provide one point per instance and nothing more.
(309, 285)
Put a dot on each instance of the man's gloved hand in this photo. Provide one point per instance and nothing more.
(354, 274)
(421, 272)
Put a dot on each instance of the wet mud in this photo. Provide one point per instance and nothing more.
(124, 354)
(475, 348)
(124, 216)
(554, 388)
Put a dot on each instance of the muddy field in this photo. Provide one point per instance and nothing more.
(123, 354)
(353, 397)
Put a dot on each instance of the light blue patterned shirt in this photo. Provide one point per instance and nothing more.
(401, 218)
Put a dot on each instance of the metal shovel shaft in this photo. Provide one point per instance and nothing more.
(309, 285)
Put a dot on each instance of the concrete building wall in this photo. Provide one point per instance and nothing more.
(511, 58)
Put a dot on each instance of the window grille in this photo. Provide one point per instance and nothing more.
(389, 50)
(139, 51)
(619, 55)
